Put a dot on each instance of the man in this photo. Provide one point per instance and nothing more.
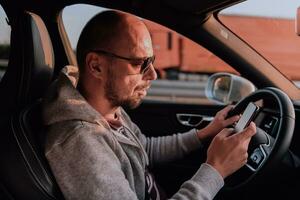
(95, 151)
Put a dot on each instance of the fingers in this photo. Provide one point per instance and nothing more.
(221, 117)
(247, 132)
(225, 110)
(232, 120)
(250, 130)
(226, 132)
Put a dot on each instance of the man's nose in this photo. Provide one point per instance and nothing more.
(150, 74)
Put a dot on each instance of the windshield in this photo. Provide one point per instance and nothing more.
(269, 27)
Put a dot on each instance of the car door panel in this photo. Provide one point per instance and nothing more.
(158, 118)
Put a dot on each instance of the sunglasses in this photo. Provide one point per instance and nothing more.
(145, 63)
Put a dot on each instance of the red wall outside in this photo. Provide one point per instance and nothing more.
(277, 43)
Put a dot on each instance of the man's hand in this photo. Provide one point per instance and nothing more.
(228, 152)
(219, 122)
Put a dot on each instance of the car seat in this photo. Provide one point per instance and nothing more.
(24, 171)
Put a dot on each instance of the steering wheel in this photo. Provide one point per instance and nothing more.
(266, 147)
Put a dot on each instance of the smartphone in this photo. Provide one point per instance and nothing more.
(247, 116)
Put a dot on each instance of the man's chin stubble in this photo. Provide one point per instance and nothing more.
(131, 104)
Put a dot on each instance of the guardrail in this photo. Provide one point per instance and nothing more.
(176, 88)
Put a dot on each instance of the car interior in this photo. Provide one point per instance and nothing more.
(38, 52)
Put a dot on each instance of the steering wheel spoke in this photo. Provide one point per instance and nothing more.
(256, 159)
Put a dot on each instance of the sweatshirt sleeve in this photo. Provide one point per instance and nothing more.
(204, 185)
(168, 148)
(165, 148)
(87, 168)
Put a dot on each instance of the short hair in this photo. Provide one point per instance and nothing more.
(98, 33)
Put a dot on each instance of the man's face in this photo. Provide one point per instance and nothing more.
(125, 86)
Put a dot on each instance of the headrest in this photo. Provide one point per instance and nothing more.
(31, 63)
(42, 58)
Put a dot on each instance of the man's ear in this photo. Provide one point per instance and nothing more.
(94, 67)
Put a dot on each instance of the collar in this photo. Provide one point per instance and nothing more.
(63, 102)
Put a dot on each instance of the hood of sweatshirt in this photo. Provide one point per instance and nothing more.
(63, 101)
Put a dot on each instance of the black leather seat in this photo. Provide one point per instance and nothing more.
(24, 171)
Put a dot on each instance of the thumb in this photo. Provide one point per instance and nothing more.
(225, 132)
(248, 132)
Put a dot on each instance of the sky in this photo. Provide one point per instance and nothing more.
(4, 28)
(279, 8)
(74, 17)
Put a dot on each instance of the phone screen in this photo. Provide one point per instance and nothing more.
(246, 117)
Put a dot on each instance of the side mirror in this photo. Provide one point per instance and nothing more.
(226, 88)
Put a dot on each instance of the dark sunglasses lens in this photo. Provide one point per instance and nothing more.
(147, 63)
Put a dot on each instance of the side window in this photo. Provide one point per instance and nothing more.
(4, 42)
(182, 65)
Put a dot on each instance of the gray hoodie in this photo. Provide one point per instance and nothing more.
(92, 161)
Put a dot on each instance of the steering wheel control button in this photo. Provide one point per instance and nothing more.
(269, 125)
(256, 158)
